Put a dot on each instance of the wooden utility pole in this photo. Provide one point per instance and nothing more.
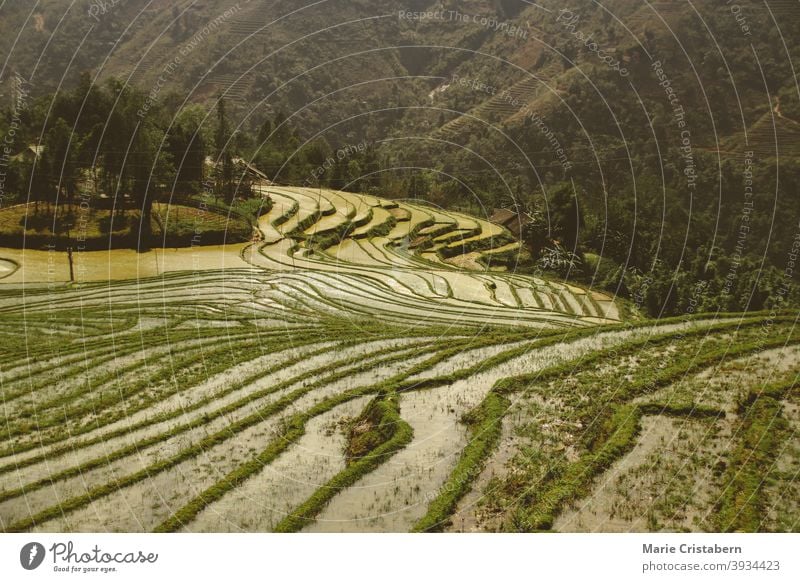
(71, 269)
(69, 258)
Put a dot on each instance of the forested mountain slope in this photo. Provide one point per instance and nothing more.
(650, 147)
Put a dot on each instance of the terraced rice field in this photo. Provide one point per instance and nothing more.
(345, 375)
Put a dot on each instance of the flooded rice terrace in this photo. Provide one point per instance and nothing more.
(277, 384)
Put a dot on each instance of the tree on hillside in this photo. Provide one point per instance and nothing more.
(60, 161)
(31, 179)
(282, 130)
(417, 185)
(187, 144)
(224, 164)
(565, 216)
(152, 170)
(264, 132)
(118, 134)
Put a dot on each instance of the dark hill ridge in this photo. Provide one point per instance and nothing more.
(248, 50)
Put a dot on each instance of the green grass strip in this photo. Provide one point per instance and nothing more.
(41, 442)
(208, 442)
(208, 417)
(294, 429)
(76, 357)
(207, 364)
(212, 440)
(622, 429)
(391, 385)
(204, 444)
(614, 436)
(486, 425)
(491, 410)
(401, 434)
(399, 383)
(40, 412)
(764, 430)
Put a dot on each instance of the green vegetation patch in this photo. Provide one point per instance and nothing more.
(383, 435)
(763, 432)
(485, 424)
(100, 226)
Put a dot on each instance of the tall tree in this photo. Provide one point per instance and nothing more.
(565, 216)
(187, 142)
(152, 170)
(224, 162)
(60, 161)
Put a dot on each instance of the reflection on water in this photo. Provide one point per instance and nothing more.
(37, 266)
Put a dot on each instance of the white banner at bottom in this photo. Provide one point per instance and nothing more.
(357, 557)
